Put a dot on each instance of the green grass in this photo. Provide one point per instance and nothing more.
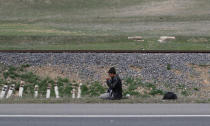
(103, 25)
(95, 43)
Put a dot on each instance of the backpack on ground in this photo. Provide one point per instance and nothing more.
(170, 96)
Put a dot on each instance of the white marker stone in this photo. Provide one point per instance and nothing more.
(166, 38)
(9, 94)
(128, 95)
(56, 91)
(137, 38)
(48, 92)
(36, 91)
(3, 91)
(20, 94)
(79, 91)
(73, 93)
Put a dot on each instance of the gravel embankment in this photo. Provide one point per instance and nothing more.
(150, 67)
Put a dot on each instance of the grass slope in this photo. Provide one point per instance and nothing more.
(93, 24)
(140, 92)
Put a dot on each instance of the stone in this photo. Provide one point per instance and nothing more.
(136, 38)
(166, 38)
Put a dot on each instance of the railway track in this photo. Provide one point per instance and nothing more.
(104, 51)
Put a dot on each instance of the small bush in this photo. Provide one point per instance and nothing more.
(185, 93)
(6, 75)
(150, 85)
(132, 93)
(25, 65)
(22, 67)
(29, 77)
(84, 90)
(64, 87)
(12, 69)
(129, 81)
(28, 90)
(67, 90)
(11, 73)
(43, 84)
(2, 82)
(196, 89)
(154, 92)
(168, 66)
(96, 89)
(132, 84)
(181, 86)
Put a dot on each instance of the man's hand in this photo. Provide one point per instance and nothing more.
(107, 78)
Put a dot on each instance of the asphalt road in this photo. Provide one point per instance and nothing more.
(105, 114)
(104, 121)
(105, 109)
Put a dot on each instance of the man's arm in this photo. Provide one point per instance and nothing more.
(109, 83)
(112, 84)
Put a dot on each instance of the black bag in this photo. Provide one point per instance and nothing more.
(170, 96)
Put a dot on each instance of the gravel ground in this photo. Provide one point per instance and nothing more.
(149, 66)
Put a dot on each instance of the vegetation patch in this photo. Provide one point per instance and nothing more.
(133, 88)
(104, 25)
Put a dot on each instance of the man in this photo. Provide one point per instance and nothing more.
(115, 86)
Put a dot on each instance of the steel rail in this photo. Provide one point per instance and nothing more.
(104, 51)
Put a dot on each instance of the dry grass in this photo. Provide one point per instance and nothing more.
(140, 92)
(87, 100)
(198, 40)
(203, 78)
(91, 24)
(204, 73)
(161, 8)
(48, 71)
(55, 71)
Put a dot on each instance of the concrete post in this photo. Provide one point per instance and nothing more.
(3, 91)
(79, 91)
(11, 89)
(20, 94)
(36, 91)
(73, 93)
(56, 91)
(48, 92)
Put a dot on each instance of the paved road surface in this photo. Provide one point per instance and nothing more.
(105, 121)
(105, 109)
(105, 114)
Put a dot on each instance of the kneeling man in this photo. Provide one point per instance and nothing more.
(115, 86)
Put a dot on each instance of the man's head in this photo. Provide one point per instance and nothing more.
(112, 72)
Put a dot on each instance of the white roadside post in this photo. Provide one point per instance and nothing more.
(73, 93)
(79, 91)
(36, 91)
(20, 94)
(9, 94)
(48, 92)
(3, 91)
(56, 91)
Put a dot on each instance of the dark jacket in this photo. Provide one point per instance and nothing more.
(115, 87)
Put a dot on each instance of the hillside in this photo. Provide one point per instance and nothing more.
(97, 24)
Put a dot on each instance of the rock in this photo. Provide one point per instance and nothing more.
(127, 95)
(136, 38)
(166, 38)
